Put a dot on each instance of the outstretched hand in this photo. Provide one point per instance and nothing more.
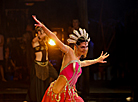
(102, 57)
(39, 23)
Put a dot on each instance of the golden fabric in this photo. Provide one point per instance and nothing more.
(42, 70)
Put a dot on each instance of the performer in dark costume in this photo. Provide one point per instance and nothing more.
(42, 69)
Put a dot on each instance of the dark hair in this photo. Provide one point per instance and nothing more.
(37, 29)
(80, 40)
(75, 19)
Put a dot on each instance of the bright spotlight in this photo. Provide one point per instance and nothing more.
(51, 42)
(129, 98)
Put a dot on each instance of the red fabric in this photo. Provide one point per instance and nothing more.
(67, 95)
(48, 98)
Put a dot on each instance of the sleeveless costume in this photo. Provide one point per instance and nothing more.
(40, 76)
(70, 72)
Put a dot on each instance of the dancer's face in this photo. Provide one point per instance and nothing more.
(75, 24)
(40, 32)
(82, 48)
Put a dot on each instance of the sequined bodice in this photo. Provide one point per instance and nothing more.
(71, 72)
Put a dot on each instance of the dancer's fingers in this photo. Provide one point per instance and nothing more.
(102, 53)
(36, 19)
(105, 54)
(104, 61)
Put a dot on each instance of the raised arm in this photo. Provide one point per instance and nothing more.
(98, 60)
(64, 48)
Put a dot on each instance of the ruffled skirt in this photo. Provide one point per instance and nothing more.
(66, 95)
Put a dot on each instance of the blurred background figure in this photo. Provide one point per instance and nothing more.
(75, 25)
(2, 57)
(28, 50)
(9, 65)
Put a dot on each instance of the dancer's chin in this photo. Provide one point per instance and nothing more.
(84, 52)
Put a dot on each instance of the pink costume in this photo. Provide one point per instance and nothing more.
(70, 72)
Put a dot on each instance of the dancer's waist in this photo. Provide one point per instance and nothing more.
(41, 63)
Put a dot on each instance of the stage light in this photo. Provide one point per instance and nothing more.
(29, 4)
(129, 99)
(51, 42)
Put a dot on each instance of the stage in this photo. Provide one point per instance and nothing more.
(100, 91)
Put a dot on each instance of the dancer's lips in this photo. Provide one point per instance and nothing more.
(83, 51)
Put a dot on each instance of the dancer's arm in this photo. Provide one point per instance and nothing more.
(64, 48)
(59, 85)
(98, 60)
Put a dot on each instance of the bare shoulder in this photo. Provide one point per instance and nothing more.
(69, 50)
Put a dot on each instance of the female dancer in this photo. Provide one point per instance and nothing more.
(42, 71)
(63, 89)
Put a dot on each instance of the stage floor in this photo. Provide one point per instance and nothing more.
(15, 91)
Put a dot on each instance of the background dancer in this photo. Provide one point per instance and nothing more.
(42, 69)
